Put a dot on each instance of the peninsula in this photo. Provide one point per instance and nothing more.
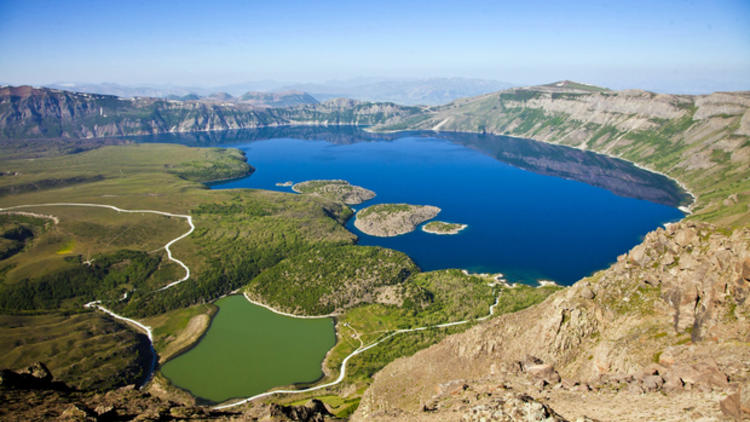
(338, 190)
(442, 227)
(386, 220)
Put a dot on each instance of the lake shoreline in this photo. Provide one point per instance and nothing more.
(257, 360)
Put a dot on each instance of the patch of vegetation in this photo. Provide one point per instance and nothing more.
(218, 164)
(437, 297)
(522, 296)
(336, 190)
(520, 95)
(16, 231)
(384, 209)
(719, 156)
(105, 277)
(48, 184)
(325, 279)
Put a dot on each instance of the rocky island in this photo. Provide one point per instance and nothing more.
(442, 227)
(339, 190)
(386, 220)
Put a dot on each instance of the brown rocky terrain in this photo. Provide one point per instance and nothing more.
(31, 394)
(662, 334)
(386, 220)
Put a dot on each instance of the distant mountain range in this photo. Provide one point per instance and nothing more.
(432, 91)
(27, 112)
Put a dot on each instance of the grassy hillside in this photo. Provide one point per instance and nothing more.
(702, 141)
(86, 351)
(324, 280)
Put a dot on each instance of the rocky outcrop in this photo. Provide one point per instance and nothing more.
(312, 411)
(36, 376)
(338, 190)
(386, 220)
(665, 331)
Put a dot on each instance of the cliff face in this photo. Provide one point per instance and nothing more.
(30, 112)
(703, 141)
(662, 334)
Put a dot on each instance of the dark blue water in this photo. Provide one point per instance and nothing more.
(526, 225)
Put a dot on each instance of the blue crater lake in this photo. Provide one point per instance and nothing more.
(535, 211)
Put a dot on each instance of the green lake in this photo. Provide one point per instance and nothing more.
(249, 349)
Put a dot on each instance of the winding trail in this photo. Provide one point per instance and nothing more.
(97, 303)
(188, 218)
(276, 311)
(357, 351)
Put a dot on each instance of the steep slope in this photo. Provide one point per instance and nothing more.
(703, 141)
(27, 112)
(662, 334)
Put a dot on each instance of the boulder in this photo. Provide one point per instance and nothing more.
(312, 411)
(78, 413)
(587, 293)
(652, 382)
(685, 237)
(543, 372)
(105, 413)
(39, 371)
(638, 255)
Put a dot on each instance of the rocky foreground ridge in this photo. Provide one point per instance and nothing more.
(662, 334)
(31, 394)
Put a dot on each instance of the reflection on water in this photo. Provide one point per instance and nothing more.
(618, 176)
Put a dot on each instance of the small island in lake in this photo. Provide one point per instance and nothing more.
(386, 220)
(285, 184)
(442, 227)
(339, 190)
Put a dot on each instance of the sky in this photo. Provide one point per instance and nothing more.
(665, 45)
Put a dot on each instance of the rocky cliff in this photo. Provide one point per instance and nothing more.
(41, 112)
(662, 334)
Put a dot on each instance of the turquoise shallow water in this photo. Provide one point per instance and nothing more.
(534, 210)
(249, 349)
